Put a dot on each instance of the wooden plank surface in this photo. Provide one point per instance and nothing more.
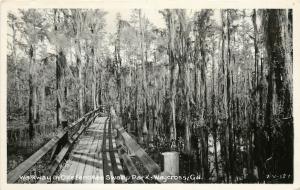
(107, 153)
(84, 154)
(62, 154)
(94, 156)
(82, 128)
(81, 161)
(21, 169)
(98, 165)
(91, 160)
(104, 156)
(68, 173)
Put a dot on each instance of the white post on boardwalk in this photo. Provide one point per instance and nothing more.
(171, 163)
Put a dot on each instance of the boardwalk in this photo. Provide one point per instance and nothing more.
(94, 156)
(91, 155)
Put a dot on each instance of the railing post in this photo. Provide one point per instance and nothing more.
(62, 141)
(64, 124)
(171, 163)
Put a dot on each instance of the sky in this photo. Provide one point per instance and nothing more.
(152, 14)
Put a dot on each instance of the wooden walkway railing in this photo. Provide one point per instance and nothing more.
(151, 167)
(99, 151)
(60, 145)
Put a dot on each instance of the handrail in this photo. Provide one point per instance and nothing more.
(135, 148)
(55, 163)
(83, 117)
(14, 175)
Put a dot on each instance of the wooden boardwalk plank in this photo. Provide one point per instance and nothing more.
(107, 149)
(87, 162)
(110, 167)
(91, 161)
(68, 172)
(84, 154)
(86, 142)
(98, 167)
(107, 171)
(95, 156)
(61, 155)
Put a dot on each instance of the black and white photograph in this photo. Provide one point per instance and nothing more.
(149, 96)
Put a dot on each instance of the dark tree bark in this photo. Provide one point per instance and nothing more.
(60, 87)
(213, 118)
(31, 91)
(278, 84)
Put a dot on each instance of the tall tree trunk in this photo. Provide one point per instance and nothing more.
(35, 105)
(94, 95)
(257, 151)
(249, 132)
(213, 118)
(184, 70)
(173, 70)
(60, 60)
(79, 65)
(145, 102)
(43, 103)
(14, 60)
(278, 84)
(229, 103)
(225, 100)
(81, 86)
(100, 90)
(187, 111)
(136, 102)
(31, 92)
(173, 132)
(60, 87)
(204, 108)
(118, 62)
(31, 129)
